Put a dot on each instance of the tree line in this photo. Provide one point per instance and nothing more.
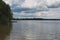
(5, 12)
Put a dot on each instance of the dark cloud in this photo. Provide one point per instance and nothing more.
(21, 9)
(54, 6)
(27, 10)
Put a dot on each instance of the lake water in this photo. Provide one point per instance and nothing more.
(35, 30)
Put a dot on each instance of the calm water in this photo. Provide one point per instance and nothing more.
(35, 30)
(5, 31)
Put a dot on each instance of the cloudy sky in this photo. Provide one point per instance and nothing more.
(35, 8)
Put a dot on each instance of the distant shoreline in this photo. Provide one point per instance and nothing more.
(34, 19)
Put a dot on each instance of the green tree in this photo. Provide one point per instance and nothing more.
(5, 12)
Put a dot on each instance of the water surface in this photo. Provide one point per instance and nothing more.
(35, 30)
(5, 30)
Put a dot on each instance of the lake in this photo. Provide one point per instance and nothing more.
(34, 30)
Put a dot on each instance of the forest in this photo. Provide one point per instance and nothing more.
(5, 13)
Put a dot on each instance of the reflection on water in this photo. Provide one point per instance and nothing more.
(35, 30)
(5, 31)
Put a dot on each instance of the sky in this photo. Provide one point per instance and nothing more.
(35, 8)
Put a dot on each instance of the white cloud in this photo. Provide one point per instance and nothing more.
(51, 2)
(29, 3)
(48, 14)
(14, 2)
(38, 14)
(32, 3)
(8, 2)
(38, 5)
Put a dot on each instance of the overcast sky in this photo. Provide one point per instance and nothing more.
(35, 8)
